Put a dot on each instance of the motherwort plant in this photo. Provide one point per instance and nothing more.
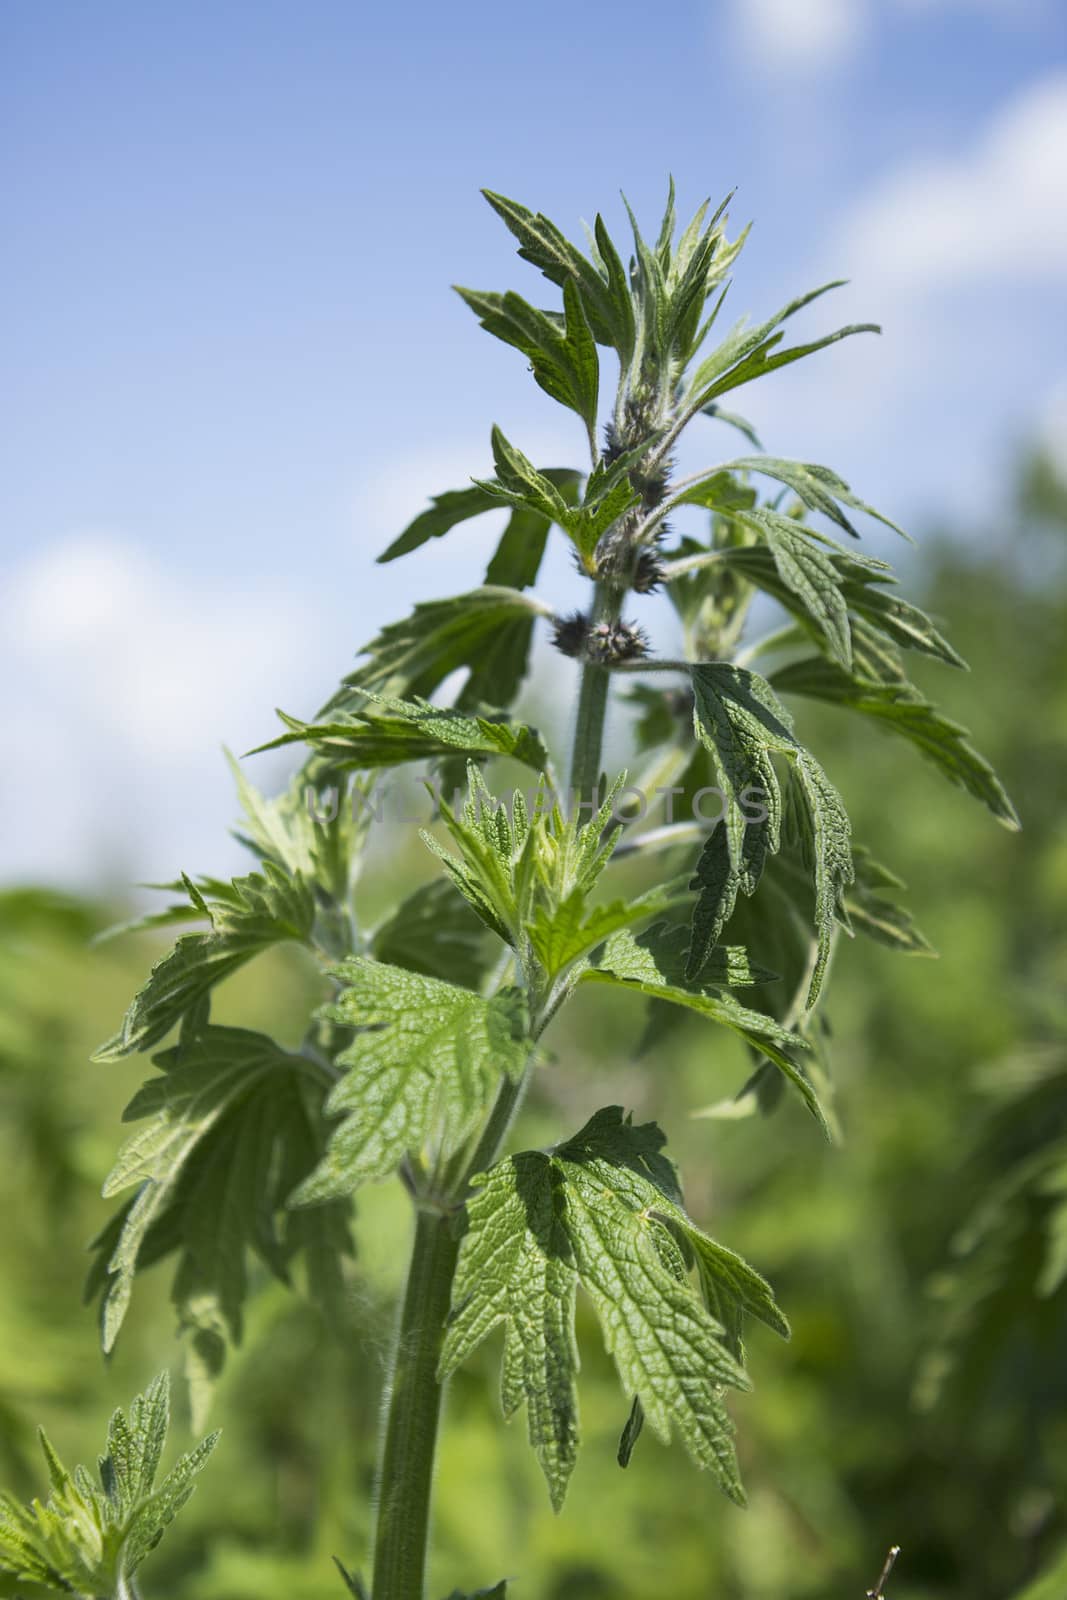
(431, 1024)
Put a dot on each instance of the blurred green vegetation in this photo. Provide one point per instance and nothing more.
(922, 1401)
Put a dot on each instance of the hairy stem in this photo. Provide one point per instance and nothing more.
(592, 705)
(406, 1471)
(405, 1474)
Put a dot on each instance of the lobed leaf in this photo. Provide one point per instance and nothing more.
(743, 725)
(604, 1210)
(89, 1538)
(247, 916)
(403, 730)
(424, 1064)
(900, 708)
(234, 1125)
(486, 632)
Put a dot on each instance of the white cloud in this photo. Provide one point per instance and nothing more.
(127, 681)
(811, 38)
(800, 36)
(995, 211)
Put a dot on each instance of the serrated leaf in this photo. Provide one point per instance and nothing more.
(653, 965)
(900, 708)
(89, 1539)
(870, 596)
(607, 497)
(732, 420)
(820, 488)
(872, 912)
(542, 244)
(301, 831)
(878, 616)
(561, 351)
(519, 482)
(718, 881)
(247, 916)
(748, 353)
(528, 872)
(617, 308)
(830, 842)
(742, 729)
(516, 1267)
(445, 511)
(235, 1123)
(562, 934)
(518, 555)
(602, 1210)
(424, 1066)
(389, 733)
(743, 725)
(486, 632)
(810, 576)
(435, 932)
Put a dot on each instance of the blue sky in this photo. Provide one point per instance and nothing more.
(234, 366)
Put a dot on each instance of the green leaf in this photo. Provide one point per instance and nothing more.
(309, 831)
(718, 880)
(247, 916)
(631, 1432)
(486, 632)
(445, 511)
(521, 544)
(617, 308)
(435, 932)
(563, 933)
(528, 873)
(604, 1210)
(900, 708)
(353, 1582)
(747, 353)
(809, 575)
(542, 244)
(608, 496)
(89, 1539)
(876, 614)
(820, 488)
(388, 733)
(562, 352)
(732, 420)
(426, 1060)
(743, 725)
(516, 1267)
(520, 483)
(740, 733)
(517, 559)
(873, 913)
(235, 1124)
(869, 596)
(653, 964)
(829, 842)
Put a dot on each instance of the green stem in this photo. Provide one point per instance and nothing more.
(406, 1472)
(593, 705)
(589, 729)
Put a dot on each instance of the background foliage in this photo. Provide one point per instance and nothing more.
(923, 1399)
